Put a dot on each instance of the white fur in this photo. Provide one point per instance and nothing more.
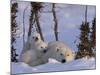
(31, 43)
(33, 51)
(32, 58)
(33, 55)
(63, 53)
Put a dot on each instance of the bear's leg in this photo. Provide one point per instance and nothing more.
(36, 62)
(28, 56)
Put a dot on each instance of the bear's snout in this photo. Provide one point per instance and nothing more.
(45, 50)
(36, 38)
(63, 61)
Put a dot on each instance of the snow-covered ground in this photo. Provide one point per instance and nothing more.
(53, 65)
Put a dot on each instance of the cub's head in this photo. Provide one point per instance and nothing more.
(42, 47)
(35, 37)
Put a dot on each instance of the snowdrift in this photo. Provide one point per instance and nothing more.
(53, 65)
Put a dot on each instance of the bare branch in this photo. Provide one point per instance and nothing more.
(24, 26)
(86, 14)
(38, 25)
(56, 23)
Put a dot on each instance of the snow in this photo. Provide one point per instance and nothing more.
(53, 65)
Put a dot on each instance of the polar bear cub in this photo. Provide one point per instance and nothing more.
(59, 51)
(32, 42)
(33, 50)
(32, 57)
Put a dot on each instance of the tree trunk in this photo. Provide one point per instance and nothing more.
(38, 24)
(24, 26)
(14, 10)
(86, 15)
(29, 32)
(56, 23)
(30, 21)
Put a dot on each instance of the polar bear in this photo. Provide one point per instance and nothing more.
(32, 42)
(33, 57)
(56, 50)
(59, 51)
(34, 49)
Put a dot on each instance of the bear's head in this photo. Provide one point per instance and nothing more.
(35, 37)
(59, 54)
(42, 47)
(58, 50)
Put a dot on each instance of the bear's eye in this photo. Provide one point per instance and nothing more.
(41, 47)
(61, 54)
(33, 37)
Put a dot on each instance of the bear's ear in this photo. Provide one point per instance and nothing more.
(41, 47)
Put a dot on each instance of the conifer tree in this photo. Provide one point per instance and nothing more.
(84, 46)
(14, 10)
(93, 36)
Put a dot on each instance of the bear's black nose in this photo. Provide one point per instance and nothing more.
(44, 51)
(63, 61)
(36, 39)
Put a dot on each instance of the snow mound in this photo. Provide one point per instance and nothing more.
(53, 65)
(52, 61)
